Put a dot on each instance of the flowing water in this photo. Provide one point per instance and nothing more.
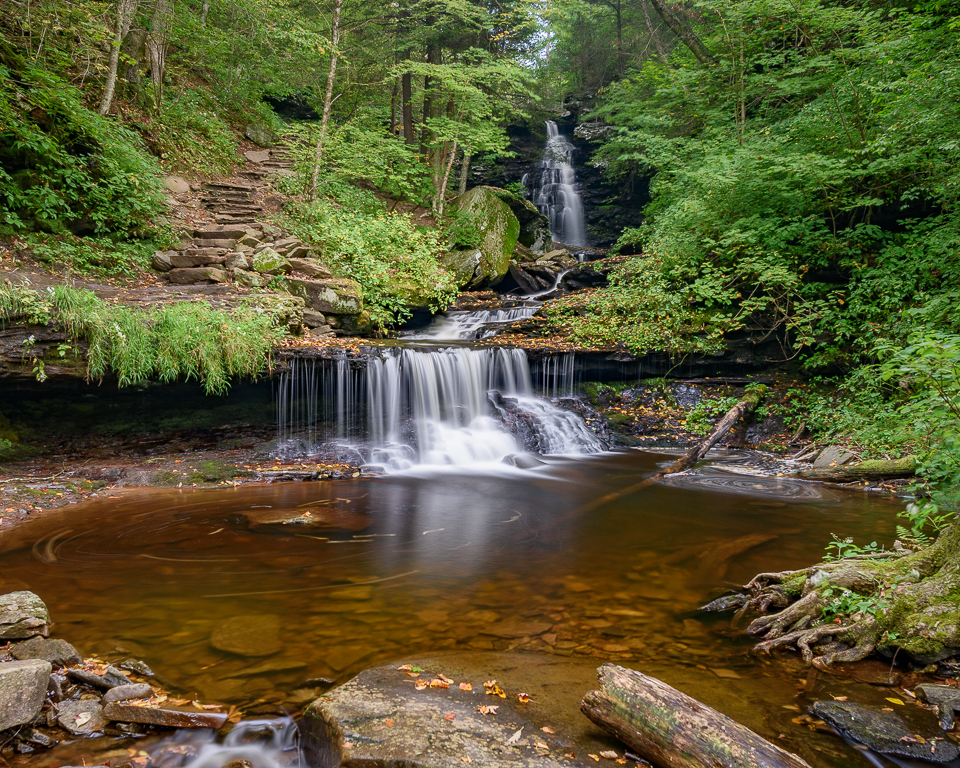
(359, 571)
(430, 407)
(553, 189)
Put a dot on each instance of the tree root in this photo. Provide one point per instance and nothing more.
(898, 600)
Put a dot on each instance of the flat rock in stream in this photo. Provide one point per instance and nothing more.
(81, 717)
(58, 652)
(23, 615)
(257, 635)
(884, 732)
(380, 718)
(111, 678)
(314, 516)
(171, 718)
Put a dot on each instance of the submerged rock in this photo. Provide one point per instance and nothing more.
(23, 615)
(884, 732)
(23, 685)
(726, 603)
(257, 635)
(172, 718)
(112, 678)
(523, 461)
(381, 717)
(127, 692)
(945, 697)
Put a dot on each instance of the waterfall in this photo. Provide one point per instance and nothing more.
(411, 407)
(480, 324)
(554, 189)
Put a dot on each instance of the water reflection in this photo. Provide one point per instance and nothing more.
(359, 571)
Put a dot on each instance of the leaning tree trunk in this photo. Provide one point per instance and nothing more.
(327, 99)
(689, 38)
(745, 406)
(157, 43)
(672, 730)
(126, 10)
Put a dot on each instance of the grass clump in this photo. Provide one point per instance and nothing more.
(181, 341)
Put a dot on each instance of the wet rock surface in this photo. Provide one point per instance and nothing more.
(23, 615)
(58, 652)
(423, 715)
(23, 685)
(257, 635)
(884, 732)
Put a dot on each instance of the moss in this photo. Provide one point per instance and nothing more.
(166, 479)
(216, 472)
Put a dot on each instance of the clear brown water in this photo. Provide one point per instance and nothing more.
(406, 564)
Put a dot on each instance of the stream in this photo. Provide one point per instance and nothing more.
(474, 527)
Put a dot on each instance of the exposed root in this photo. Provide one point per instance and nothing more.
(801, 639)
(775, 625)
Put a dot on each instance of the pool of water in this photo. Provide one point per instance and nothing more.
(344, 574)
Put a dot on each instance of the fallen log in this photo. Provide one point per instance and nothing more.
(747, 405)
(873, 469)
(672, 730)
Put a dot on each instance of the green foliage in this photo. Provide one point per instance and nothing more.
(843, 602)
(925, 518)
(702, 416)
(395, 262)
(641, 310)
(181, 341)
(62, 166)
(838, 549)
(106, 255)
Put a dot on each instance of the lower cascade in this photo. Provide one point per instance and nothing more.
(412, 407)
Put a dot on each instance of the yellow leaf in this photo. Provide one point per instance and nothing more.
(896, 701)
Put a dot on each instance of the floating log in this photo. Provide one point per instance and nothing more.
(874, 469)
(747, 405)
(672, 730)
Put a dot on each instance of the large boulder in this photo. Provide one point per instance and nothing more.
(333, 296)
(381, 717)
(261, 135)
(23, 615)
(268, 262)
(534, 226)
(23, 686)
(498, 228)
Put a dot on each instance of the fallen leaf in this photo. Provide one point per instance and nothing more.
(492, 689)
(571, 755)
(445, 679)
(438, 683)
(839, 698)
(389, 722)
(541, 745)
(523, 697)
(451, 716)
(412, 674)
(594, 757)
(490, 710)
(516, 737)
(82, 719)
(466, 687)
(466, 759)
(886, 709)
(547, 729)
(896, 701)
(609, 754)
(420, 684)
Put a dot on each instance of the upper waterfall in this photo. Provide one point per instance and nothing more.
(553, 189)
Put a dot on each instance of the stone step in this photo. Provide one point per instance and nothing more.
(208, 251)
(200, 242)
(225, 185)
(212, 233)
(182, 259)
(239, 209)
(191, 276)
(246, 221)
(226, 199)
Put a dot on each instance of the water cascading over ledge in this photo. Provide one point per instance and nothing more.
(553, 189)
(406, 407)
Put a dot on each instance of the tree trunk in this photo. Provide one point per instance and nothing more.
(157, 42)
(393, 110)
(863, 470)
(662, 53)
(406, 96)
(441, 198)
(464, 171)
(126, 10)
(747, 405)
(204, 10)
(672, 730)
(327, 99)
(697, 48)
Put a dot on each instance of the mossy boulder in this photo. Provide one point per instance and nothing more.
(261, 135)
(534, 226)
(334, 296)
(498, 229)
(269, 262)
(412, 293)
